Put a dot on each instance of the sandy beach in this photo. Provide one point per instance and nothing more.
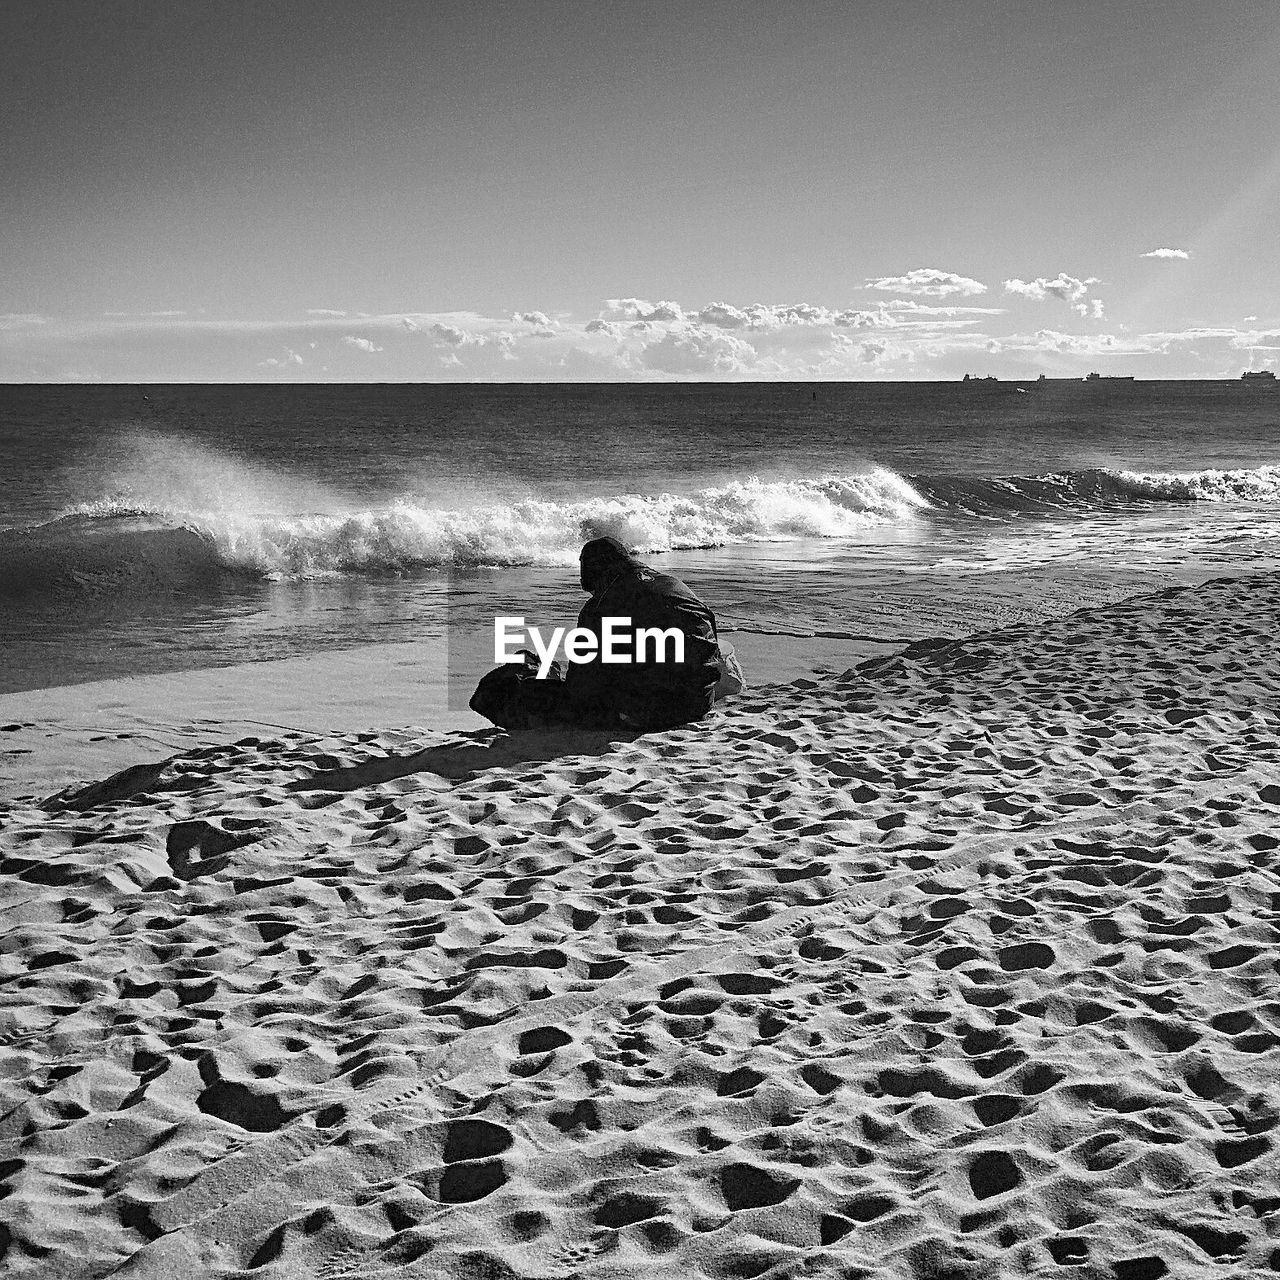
(961, 963)
(927, 355)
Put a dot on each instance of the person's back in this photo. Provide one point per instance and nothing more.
(650, 694)
(645, 694)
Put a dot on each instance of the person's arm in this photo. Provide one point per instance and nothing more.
(587, 683)
(667, 609)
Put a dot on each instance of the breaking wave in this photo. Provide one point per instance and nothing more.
(116, 544)
(1095, 488)
(123, 546)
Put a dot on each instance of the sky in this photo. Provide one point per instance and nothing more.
(307, 191)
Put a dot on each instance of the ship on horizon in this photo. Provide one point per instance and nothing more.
(1257, 375)
(1091, 377)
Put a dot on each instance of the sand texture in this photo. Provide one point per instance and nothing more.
(53, 738)
(962, 964)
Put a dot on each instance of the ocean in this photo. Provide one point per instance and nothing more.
(165, 528)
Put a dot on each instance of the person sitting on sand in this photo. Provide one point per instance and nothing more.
(644, 695)
(648, 695)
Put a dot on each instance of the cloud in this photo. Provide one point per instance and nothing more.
(539, 318)
(881, 319)
(724, 315)
(1051, 338)
(1077, 343)
(697, 351)
(1236, 339)
(907, 305)
(283, 362)
(633, 339)
(451, 334)
(718, 340)
(143, 315)
(640, 316)
(761, 316)
(639, 309)
(1167, 253)
(1090, 309)
(1068, 288)
(927, 282)
(890, 314)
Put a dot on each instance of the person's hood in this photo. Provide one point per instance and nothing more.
(603, 560)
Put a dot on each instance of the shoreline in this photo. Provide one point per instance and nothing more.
(56, 736)
(959, 961)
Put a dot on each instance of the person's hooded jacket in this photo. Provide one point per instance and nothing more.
(648, 693)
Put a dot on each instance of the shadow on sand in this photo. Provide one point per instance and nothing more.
(484, 749)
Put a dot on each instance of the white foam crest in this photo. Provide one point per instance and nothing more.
(151, 471)
(1259, 484)
(405, 535)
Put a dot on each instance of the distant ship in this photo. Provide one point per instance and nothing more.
(1257, 375)
(1110, 377)
(988, 384)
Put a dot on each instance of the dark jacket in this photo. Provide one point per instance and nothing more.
(649, 694)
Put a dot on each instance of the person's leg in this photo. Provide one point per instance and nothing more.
(666, 708)
(589, 708)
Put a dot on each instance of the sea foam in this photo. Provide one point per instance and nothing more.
(405, 535)
(122, 543)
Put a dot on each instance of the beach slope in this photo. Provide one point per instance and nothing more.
(960, 964)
